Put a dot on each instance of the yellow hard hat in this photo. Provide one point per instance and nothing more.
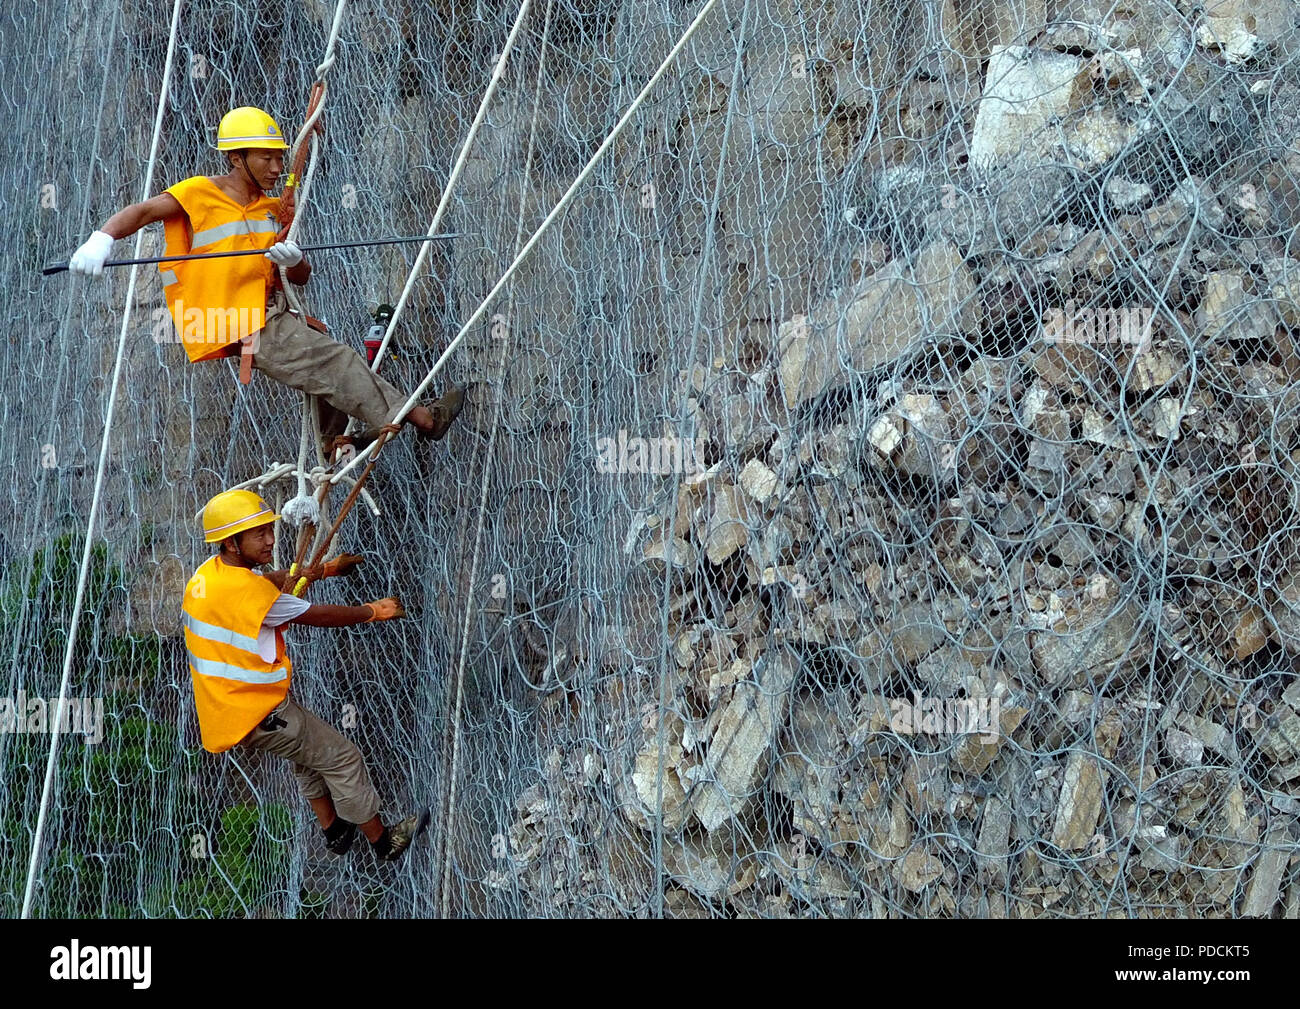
(249, 127)
(232, 512)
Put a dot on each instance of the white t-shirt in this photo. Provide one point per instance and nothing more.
(284, 609)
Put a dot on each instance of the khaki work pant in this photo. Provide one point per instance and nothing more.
(325, 762)
(290, 351)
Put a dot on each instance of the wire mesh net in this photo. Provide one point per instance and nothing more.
(876, 494)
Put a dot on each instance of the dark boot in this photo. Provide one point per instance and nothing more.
(339, 835)
(445, 410)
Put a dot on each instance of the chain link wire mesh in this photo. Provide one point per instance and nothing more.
(891, 501)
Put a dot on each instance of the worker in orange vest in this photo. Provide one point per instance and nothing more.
(219, 304)
(234, 633)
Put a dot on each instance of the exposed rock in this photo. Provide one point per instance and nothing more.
(1079, 808)
(1098, 137)
(876, 322)
(1230, 311)
(918, 869)
(675, 779)
(1125, 194)
(1279, 734)
(1242, 30)
(1086, 642)
(914, 437)
(758, 481)
(1210, 734)
(726, 531)
(738, 748)
(679, 555)
(994, 841)
(976, 752)
(1185, 748)
(1266, 879)
(710, 865)
(1024, 91)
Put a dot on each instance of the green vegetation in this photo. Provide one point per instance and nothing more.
(131, 832)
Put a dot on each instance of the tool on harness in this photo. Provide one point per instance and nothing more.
(272, 722)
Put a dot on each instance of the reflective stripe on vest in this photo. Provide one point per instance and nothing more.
(224, 635)
(224, 670)
(241, 227)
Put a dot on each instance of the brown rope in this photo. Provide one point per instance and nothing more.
(288, 199)
(288, 209)
(385, 433)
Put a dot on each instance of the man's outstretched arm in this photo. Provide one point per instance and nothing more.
(129, 220)
(93, 253)
(319, 615)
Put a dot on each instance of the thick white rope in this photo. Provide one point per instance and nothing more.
(101, 467)
(304, 508)
(541, 231)
(456, 169)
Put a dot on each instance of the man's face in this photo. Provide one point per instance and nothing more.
(264, 165)
(255, 545)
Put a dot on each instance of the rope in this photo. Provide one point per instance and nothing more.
(372, 450)
(385, 433)
(542, 229)
(456, 169)
(300, 509)
(315, 110)
(709, 245)
(487, 455)
(304, 510)
(101, 466)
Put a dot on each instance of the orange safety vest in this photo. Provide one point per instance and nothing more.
(217, 302)
(234, 687)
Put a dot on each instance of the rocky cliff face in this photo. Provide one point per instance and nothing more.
(989, 326)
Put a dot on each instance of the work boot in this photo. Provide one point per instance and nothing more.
(396, 839)
(445, 410)
(339, 835)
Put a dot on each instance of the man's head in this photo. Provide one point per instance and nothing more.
(254, 146)
(242, 523)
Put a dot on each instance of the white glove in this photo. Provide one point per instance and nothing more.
(90, 258)
(285, 254)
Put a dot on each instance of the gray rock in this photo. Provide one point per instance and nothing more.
(875, 322)
(738, 751)
(1125, 194)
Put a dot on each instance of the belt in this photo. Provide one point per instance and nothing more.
(272, 722)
